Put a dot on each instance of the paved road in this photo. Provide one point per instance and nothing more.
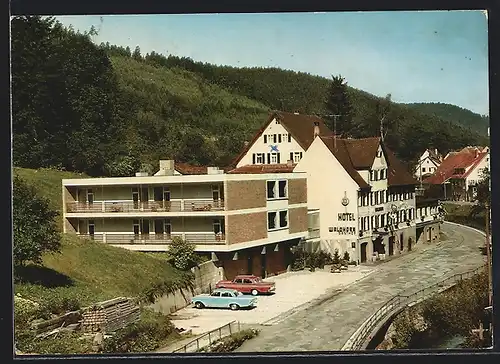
(328, 325)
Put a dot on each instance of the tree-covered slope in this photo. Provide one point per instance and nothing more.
(455, 114)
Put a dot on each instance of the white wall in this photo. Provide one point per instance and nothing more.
(475, 175)
(327, 184)
(284, 147)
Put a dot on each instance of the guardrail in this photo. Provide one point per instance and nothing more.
(145, 206)
(209, 337)
(397, 302)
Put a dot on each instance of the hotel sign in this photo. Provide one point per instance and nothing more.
(346, 216)
(345, 230)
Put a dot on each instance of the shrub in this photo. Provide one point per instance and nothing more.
(303, 260)
(182, 254)
(34, 228)
(347, 258)
(232, 342)
(146, 335)
(62, 343)
(336, 257)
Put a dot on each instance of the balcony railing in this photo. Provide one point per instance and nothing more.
(150, 206)
(313, 233)
(193, 238)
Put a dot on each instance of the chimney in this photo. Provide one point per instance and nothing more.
(316, 129)
(167, 168)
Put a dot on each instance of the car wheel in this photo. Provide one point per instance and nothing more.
(234, 306)
(199, 305)
(255, 292)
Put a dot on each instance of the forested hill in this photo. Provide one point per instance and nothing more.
(104, 110)
(464, 117)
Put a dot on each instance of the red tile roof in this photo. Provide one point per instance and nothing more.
(185, 168)
(263, 168)
(359, 154)
(465, 158)
(300, 126)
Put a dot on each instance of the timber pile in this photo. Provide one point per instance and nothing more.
(69, 319)
(111, 315)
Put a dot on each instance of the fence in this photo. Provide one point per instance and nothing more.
(209, 337)
(360, 337)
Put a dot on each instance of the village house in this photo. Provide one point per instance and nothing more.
(246, 220)
(457, 177)
(283, 137)
(428, 163)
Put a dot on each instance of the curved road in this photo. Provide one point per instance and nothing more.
(327, 326)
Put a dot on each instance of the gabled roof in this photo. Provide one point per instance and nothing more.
(359, 154)
(434, 155)
(300, 126)
(340, 150)
(465, 158)
(263, 168)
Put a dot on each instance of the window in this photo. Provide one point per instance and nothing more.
(297, 156)
(91, 228)
(279, 138)
(90, 196)
(282, 189)
(247, 281)
(371, 176)
(382, 196)
(135, 197)
(274, 158)
(239, 280)
(379, 153)
(274, 138)
(423, 169)
(136, 227)
(168, 227)
(382, 220)
(289, 138)
(376, 198)
(371, 198)
(226, 294)
(270, 189)
(265, 139)
(216, 294)
(271, 220)
(283, 219)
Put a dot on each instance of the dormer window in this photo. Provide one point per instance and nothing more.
(379, 154)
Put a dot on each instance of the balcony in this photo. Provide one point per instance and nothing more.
(160, 239)
(150, 206)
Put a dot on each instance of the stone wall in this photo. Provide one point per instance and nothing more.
(206, 275)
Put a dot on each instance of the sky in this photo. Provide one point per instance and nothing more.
(432, 56)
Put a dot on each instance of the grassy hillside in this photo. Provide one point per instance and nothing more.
(48, 182)
(455, 114)
(87, 272)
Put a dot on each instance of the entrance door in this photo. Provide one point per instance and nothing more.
(144, 196)
(401, 242)
(409, 244)
(391, 245)
(145, 229)
(159, 228)
(250, 263)
(363, 252)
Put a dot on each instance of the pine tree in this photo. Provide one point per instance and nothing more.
(339, 108)
(137, 54)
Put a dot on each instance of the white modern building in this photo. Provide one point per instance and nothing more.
(428, 163)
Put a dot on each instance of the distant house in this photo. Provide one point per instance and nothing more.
(284, 137)
(458, 175)
(428, 163)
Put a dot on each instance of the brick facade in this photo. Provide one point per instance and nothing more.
(246, 227)
(245, 194)
(298, 220)
(297, 191)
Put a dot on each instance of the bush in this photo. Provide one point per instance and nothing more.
(62, 343)
(347, 258)
(336, 257)
(149, 333)
(34, 228)
(302, 260)
(182, 254)
(232, 342)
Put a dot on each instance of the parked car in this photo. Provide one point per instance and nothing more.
(248, 284)
(224, 298)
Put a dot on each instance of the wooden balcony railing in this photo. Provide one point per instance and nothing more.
(193, 238)
(150, 206)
